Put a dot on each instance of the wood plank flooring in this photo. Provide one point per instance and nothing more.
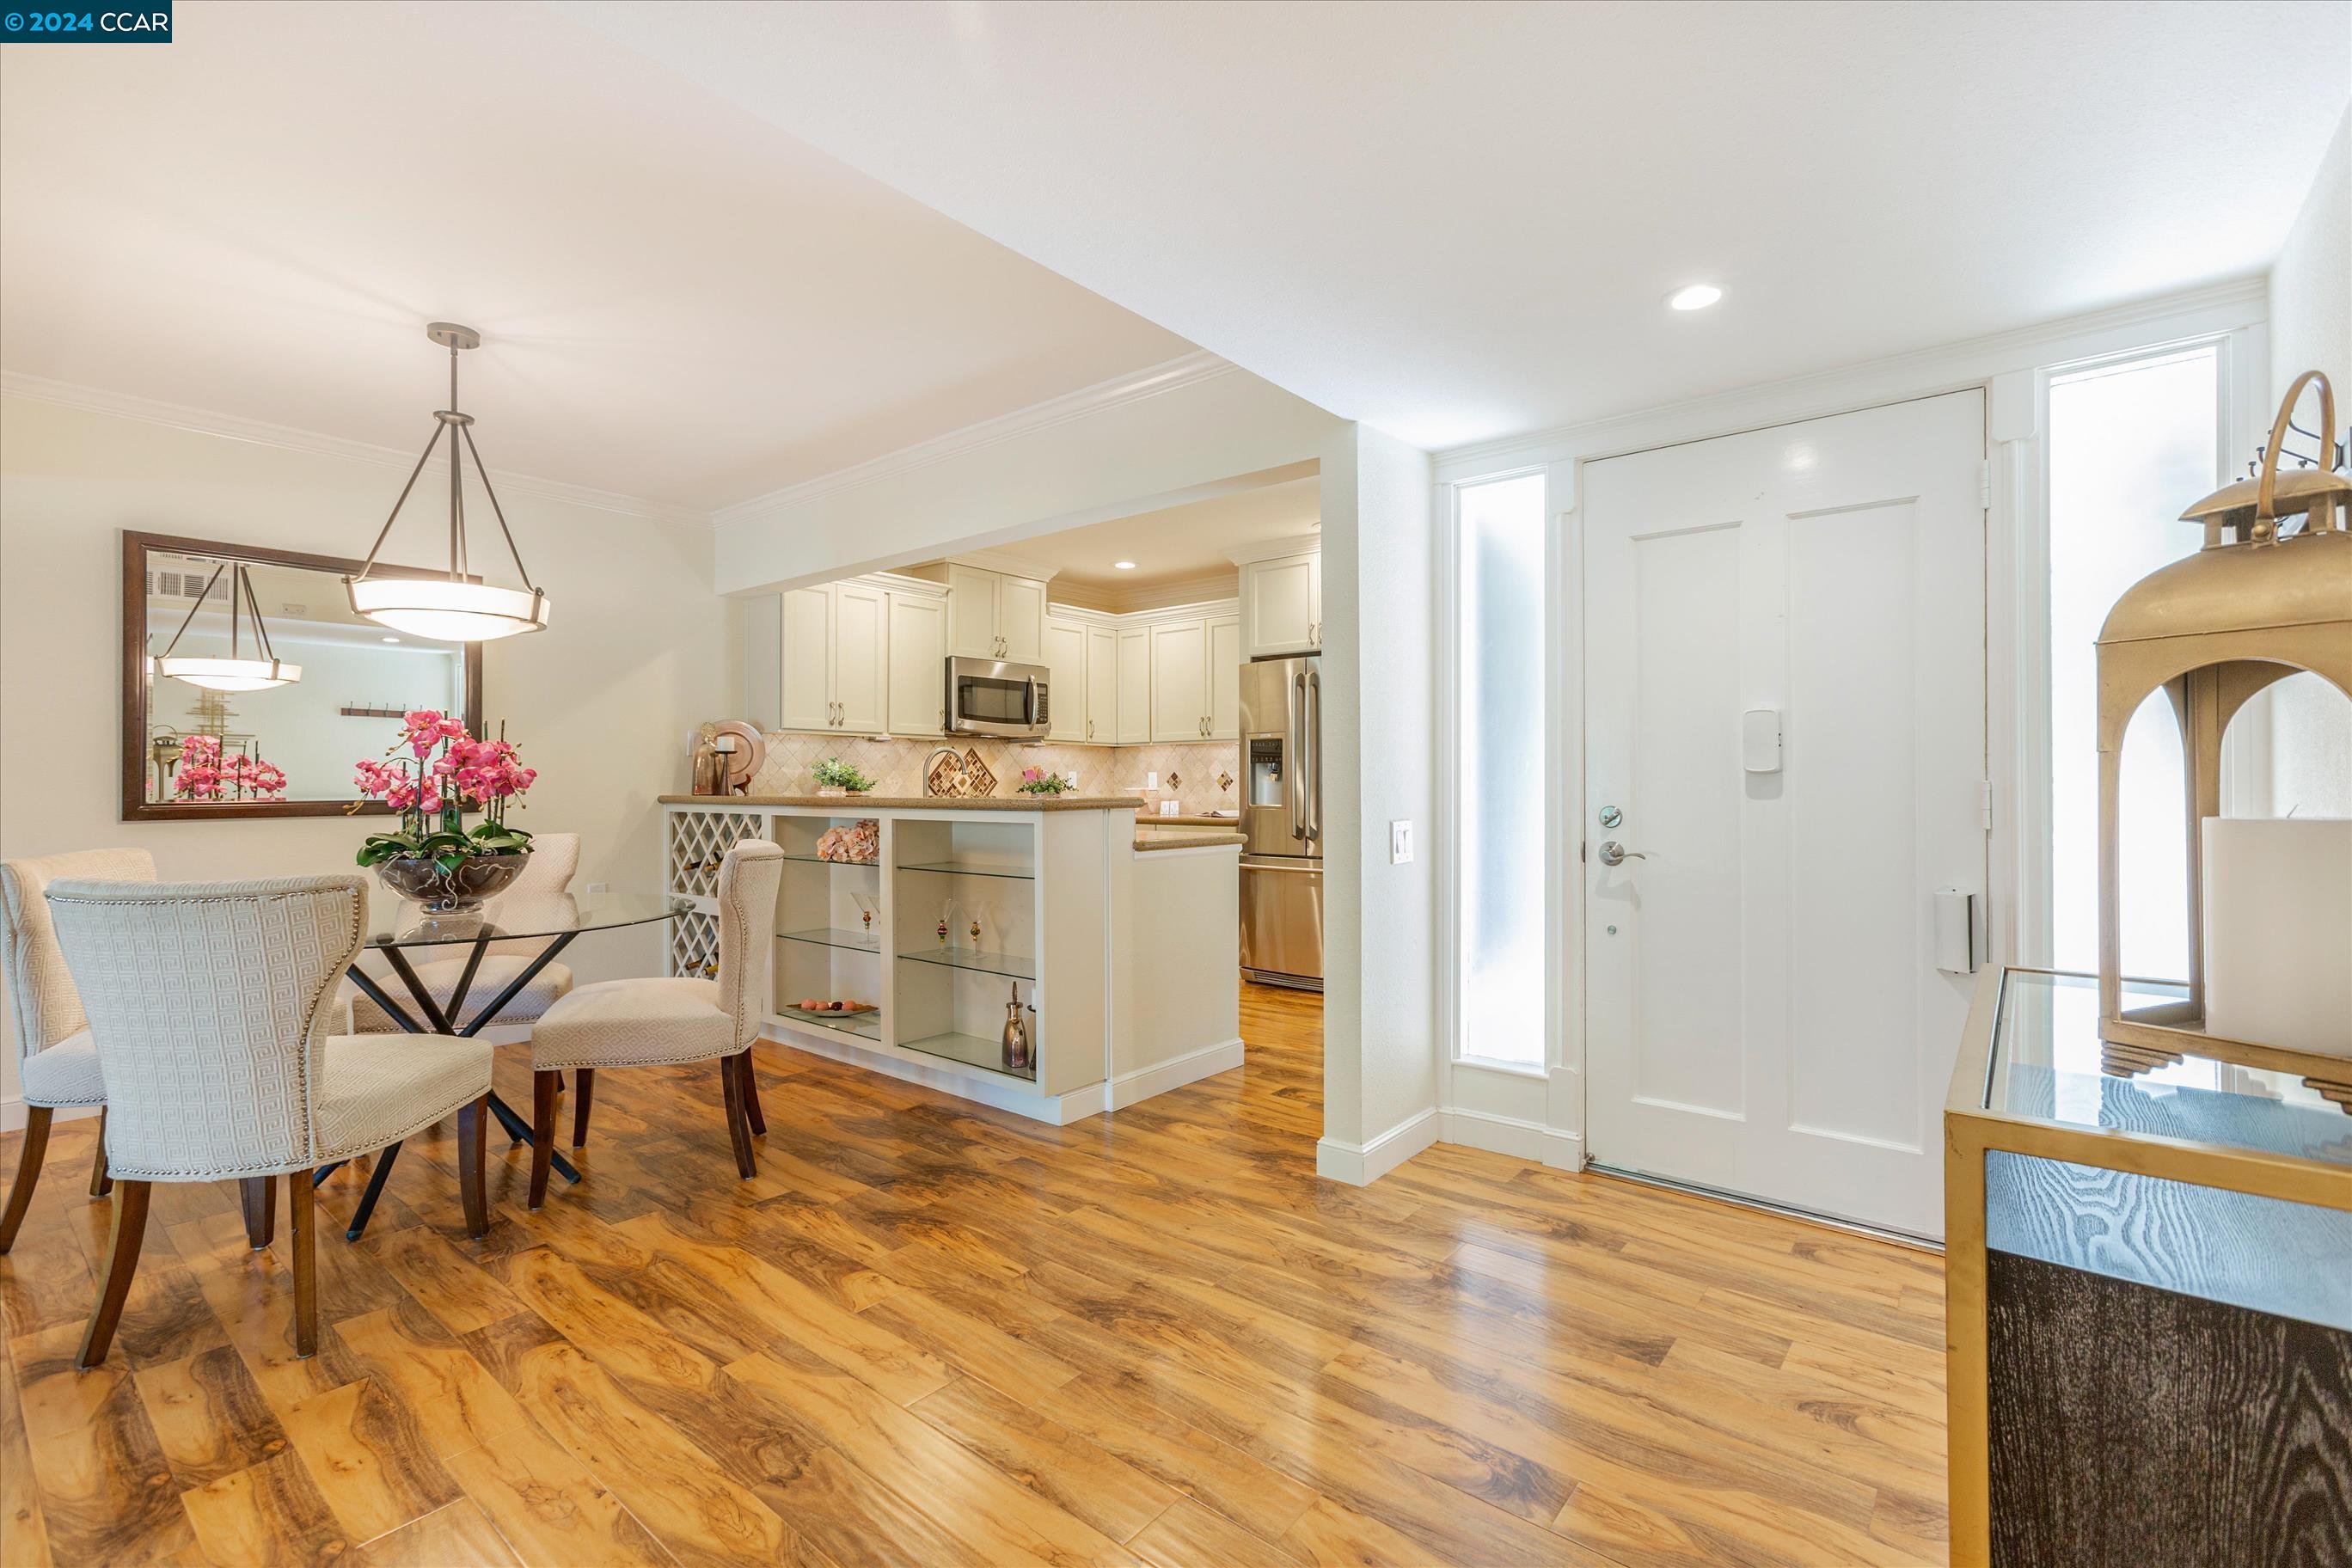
(929, 1333)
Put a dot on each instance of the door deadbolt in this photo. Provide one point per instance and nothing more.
(1611, 816)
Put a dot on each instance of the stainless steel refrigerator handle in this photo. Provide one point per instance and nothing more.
(1315, 781)
(1298, 870)
(1295, 698)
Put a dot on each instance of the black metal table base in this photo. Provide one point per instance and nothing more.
(438, 1020)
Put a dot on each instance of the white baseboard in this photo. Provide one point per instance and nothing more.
(1057, 1109)
(1515, 1136)
(1360, 1164)
(1131, 1088)
(11, 1114)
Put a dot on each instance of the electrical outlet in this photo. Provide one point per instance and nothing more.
(600, 887)
(1400, 843)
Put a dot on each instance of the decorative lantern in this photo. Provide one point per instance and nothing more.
(2251, 607)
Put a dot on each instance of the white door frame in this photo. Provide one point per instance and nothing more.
(1541, 1116)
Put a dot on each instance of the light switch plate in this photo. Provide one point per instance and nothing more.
(1400, 843)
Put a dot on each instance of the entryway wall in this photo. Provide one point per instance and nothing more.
(1540, 1115)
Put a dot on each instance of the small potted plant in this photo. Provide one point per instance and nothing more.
(433, 859)
(835, 776)
(1037, 781)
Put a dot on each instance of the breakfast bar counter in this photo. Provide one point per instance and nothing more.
(1028, 951)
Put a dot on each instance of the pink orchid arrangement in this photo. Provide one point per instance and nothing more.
(434, 769)
(1037, 781)
(204, 773)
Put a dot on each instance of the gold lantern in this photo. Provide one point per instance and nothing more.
(2251, 607)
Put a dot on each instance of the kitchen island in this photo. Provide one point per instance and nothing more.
(1121, 952)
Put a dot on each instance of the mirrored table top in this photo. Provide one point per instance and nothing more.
(393, 921)
(2044, 1064)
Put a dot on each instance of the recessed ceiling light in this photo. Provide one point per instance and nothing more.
(392, 639)
(1697, 297)
(1122, 565)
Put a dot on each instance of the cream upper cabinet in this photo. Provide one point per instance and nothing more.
(972, 614)
(1102, 685)
(1225, 678)
(861, 642)
(1180, 683)
(807, 654)
(1065, 657)
(1282, 605)
(1021, 620)
(918, 646)
(992, 616)
(1134, 705)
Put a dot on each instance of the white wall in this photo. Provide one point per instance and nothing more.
(1379, 946)
(2311, 284)
(602, 704)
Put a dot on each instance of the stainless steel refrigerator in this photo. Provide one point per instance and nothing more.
(1282, 814)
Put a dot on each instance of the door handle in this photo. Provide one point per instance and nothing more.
(1315, 778)
(1615, 854)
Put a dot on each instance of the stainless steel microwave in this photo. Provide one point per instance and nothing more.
(996, 697)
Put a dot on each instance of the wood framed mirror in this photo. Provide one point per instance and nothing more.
(195, 753)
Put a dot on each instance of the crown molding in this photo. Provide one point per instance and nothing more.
(1004, 563)
(1942, 366)
(1274, 549)
(286, 438)
(1190, 370)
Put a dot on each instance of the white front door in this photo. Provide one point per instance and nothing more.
(1784, 689)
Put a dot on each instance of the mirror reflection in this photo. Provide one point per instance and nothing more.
(260, 685)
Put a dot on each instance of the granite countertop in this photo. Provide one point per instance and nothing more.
(846, 803)
(1193, 838)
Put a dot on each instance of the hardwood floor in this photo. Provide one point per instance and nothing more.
(929, 1333)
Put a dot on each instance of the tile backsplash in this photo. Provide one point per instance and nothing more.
(1188, 774)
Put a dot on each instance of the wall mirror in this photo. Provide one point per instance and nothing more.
(250, 686)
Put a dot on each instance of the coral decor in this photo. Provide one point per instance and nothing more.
(204, 773)
(433, 774)
(860, 842)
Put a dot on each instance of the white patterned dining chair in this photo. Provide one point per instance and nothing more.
(554, 861)
(210, 1004)
(57, 1066)
(660, 1022)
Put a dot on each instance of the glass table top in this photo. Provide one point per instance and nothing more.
(393, 921)
(2046, 1065)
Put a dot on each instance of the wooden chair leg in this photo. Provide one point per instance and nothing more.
(303, 1217)
(542, 1134)
(99, 1183)
(587, 1087)
(259, 1196)
(121, 1263)
(471, 1136)
(28, 1172)
(738, 1124)
(752, 1111)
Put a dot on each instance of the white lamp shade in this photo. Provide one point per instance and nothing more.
(449, 611)
(230, 674)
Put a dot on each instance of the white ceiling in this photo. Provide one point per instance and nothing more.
(1457, 222)
(1178, 544)
(682, 302)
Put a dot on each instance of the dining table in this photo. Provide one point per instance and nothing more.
(398, 929)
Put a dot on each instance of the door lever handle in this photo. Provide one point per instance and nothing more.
(1615, 854)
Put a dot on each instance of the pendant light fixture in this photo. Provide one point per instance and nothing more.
(459, 607)
(235, 673)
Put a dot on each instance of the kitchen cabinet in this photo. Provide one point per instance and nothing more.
(918, 679)
(993, 615)
(1225, 678)
(1102, 685)
(1282, 605)
(1134, 715)
(1196, 679)
(1065, 657)
(834, 658)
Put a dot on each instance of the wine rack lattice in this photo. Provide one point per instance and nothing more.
(698, 840)
(694, 947)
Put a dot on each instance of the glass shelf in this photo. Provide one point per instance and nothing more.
(973, 869)
(821, 860)
(855, 941)
(866, 1025)
(1020, 966)
(972, 1051)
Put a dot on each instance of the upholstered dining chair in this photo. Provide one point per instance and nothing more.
(211, 1005)
(56, 1063)
(554, 861)
(665, 1022)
